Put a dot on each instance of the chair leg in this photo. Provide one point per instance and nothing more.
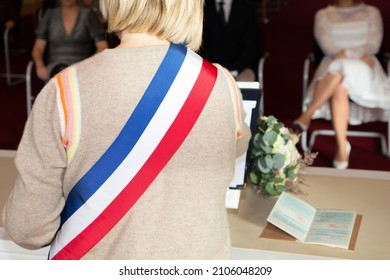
(387, 152)
(29, 97)
(384, 146)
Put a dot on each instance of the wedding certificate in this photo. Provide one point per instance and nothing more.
(310, 225)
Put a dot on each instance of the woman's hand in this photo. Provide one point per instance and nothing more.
(9, 24)
(368, 59)
(341, 54)
(42, 72)
(37, 54)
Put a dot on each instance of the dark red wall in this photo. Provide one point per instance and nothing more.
(288, 37)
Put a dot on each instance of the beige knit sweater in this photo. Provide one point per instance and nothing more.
(182, 215)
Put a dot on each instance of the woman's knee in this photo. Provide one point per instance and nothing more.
(340, 93)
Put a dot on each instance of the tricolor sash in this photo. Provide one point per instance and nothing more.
(155, 130)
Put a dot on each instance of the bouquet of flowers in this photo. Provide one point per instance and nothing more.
(276, 162)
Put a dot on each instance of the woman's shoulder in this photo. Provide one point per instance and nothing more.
(85, 12)
(325, 10)
(55, 11)
(48, 13)
(372, 9)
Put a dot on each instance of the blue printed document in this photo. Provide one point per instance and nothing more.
(310, 225)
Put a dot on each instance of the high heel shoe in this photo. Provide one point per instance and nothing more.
(343, 164)
(300, 126)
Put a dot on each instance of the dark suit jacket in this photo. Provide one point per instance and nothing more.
(236, 45)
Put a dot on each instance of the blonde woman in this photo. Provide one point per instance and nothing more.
(350, 34)
(128, 154)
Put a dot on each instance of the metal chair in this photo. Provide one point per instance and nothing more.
(12, 78)
(258, 85)
(307, 143)
(29, 96)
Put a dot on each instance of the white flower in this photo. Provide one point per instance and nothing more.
(279, 146)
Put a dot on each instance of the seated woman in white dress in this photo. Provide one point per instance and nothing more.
(349, 33)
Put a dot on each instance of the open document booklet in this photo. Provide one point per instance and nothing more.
(335, 228)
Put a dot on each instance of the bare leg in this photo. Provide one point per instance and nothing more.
(325, 89)
(340, 115)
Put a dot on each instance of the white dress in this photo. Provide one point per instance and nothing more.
(359, 31)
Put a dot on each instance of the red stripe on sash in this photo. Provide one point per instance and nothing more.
(169, 144)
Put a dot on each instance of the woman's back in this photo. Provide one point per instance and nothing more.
(165, 223)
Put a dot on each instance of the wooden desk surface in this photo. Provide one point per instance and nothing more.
(366, 192)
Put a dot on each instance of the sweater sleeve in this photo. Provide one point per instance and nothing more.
(244, 138)
(243, 132)
(31, 215)
(375, 36)
(322, 33)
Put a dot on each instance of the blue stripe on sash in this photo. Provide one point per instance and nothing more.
(130, 134)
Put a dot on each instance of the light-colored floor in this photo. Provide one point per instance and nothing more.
(7, 175)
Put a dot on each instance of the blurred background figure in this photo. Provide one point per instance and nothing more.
(231, 37)
(94, 6)
(350, 34)
(71, 33)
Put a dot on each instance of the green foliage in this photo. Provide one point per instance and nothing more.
(270, 169)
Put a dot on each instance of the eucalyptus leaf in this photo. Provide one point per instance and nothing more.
(254, 178)
(277, 127)
(269, 189)
(257, 140)
(286, 138)
(271, 120)
(262, 165)
(264, 162)
(270, 137)
(256, 152)
(279, 180)
(291, 174)
(269, 161)
(278, 161)
(281, 188)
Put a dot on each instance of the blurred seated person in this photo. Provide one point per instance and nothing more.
(235, 41)
(71, 33)
(349, 34)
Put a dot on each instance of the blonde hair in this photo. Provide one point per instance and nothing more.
(178, 21)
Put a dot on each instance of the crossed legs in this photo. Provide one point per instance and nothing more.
(330, 88)
(340, 114)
